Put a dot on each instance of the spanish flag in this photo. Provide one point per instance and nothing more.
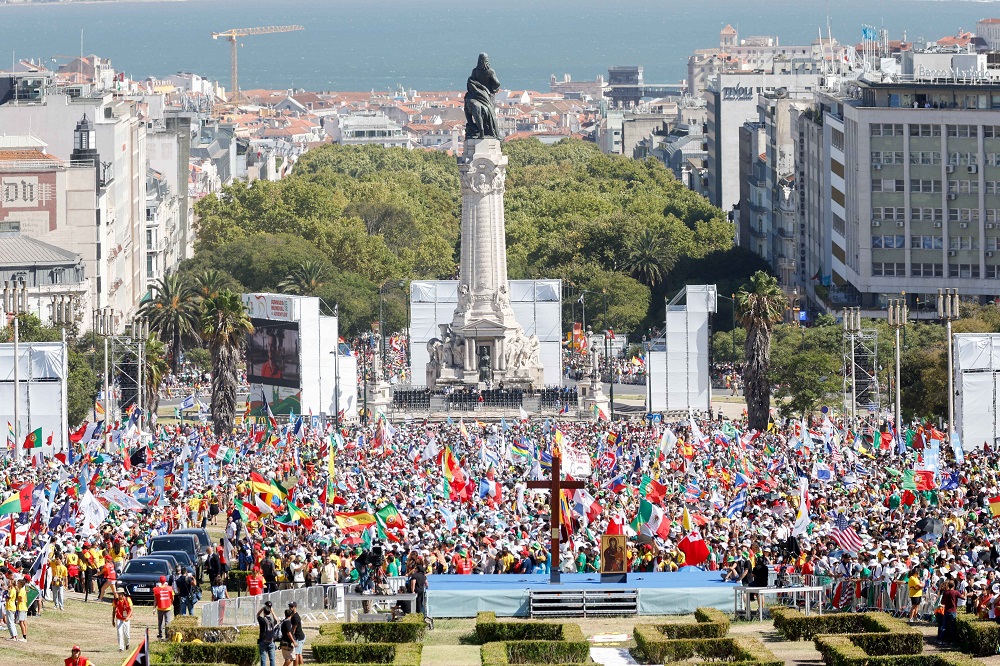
(995, 505)
(354, 521)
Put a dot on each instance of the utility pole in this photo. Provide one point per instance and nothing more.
(947, 309)
(898, 314)
(608, 353)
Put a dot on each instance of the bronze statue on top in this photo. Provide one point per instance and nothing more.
(480, 108)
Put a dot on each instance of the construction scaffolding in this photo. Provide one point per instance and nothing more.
(860, 363)
(124, 385)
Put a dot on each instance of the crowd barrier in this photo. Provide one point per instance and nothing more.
(325, 601)
(863, 594)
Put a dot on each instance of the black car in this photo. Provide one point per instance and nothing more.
(141, 575)
(182, 558)
(186, 542)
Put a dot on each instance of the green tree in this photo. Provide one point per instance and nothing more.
(759, 305)
(727, 346)
(173, 313)
(210, 282)
(155, 368)
(305, 279)
(806, 366)
(649, 258)
(224, 325)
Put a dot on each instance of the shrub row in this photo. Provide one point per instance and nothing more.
(408, 630)
(189, 629)
(795, 626)
(843, 651)
(530, 643)
(980, 638)
(656, 648)
(236, 580)
(535, 652)
(488, 630)
(329, 651)
(709, 623)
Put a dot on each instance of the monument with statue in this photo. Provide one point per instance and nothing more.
(483, 343)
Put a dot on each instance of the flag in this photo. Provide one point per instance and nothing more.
(10, 435)
(951, 483)
(617, 484)
(19, 502)
(924, 480)
(62, 516)
(34, 439)
(694, 549)
(652, 490)
(521, 447)
(738, 504)
(686, 520)
(802, 518)
(354, 521)
(586, 505)
(449, 466)
(389, 517)
(188, 402)
(99, 409)
(994, 506)
(138, 458)
(845, 535)
(649, 520)
(221, 452)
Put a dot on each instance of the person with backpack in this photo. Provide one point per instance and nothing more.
(269, 632)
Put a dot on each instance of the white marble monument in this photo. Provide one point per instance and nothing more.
(484, 343)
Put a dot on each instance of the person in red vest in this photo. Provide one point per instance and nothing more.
(255, 582)
(163, 594)
(76, 658)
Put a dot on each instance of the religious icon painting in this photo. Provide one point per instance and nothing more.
(613, 553)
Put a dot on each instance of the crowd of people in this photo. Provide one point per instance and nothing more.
(889, 520)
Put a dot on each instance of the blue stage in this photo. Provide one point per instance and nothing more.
(676, 593)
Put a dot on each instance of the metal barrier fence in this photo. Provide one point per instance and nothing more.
(326, 601)
(864, 594)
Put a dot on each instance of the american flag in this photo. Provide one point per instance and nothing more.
(845, 535)
(835, 457)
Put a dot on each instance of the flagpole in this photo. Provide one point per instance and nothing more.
(17, 389)
(107, 397)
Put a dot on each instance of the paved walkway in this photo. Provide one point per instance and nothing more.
(611, 656)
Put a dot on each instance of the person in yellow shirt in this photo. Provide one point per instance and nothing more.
(21, 603)
(118, 555)
(10, 610)
(59, 577)
(73, 571)
(916, 591)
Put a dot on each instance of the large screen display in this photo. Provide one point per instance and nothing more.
(273, 354)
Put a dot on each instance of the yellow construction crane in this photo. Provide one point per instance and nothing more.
(233, 37)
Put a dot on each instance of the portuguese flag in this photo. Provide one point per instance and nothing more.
(388, 517)
(34, 439)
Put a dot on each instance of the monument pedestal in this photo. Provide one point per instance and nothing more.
(379, 397)
(484, 344)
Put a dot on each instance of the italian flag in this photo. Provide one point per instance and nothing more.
(221, 452)
(34, 439)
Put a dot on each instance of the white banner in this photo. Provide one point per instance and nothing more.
(576, 461)
(116, 496)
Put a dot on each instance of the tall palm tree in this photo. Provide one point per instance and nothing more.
(173, 313)
(224, 325)
(155, 368)
(759, 306)
(305, 279)
(649, 258)
(210, 282)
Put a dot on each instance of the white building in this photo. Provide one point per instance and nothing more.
(367, 128)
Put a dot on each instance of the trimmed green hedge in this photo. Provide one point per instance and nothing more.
(843, 651)
(535, 652)
(742, 650)
(488, 630)
(241, 654)
(189, 629)
(795, 626)
(709, 623)
(410, 629)
(980, 638)
(331, 652)
(236, 580)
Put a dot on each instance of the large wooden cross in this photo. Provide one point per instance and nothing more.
(554, 486)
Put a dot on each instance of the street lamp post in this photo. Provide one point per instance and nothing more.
(608, 355)
(406, 292)
(898, 314)
(948, 311)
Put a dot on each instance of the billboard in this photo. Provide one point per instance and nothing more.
(273, 354)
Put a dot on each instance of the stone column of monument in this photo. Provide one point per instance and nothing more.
(484, 342)
(594, 395)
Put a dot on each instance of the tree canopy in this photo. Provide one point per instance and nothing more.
(362, 216)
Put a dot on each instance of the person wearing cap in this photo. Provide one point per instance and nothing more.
(267, 622)
(163, 594)
(121, 619)
(297, 632)
(76, 658)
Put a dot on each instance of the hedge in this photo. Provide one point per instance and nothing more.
(241, 654)
(740, 650)
(236, 580)
(980, 638)
(488, 630)
(795, 626)
(535, 652)
(189, 629)
(709, 623)
(843, 651)
(332, 652)
(410, 629)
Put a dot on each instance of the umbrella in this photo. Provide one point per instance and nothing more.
(930, 526)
